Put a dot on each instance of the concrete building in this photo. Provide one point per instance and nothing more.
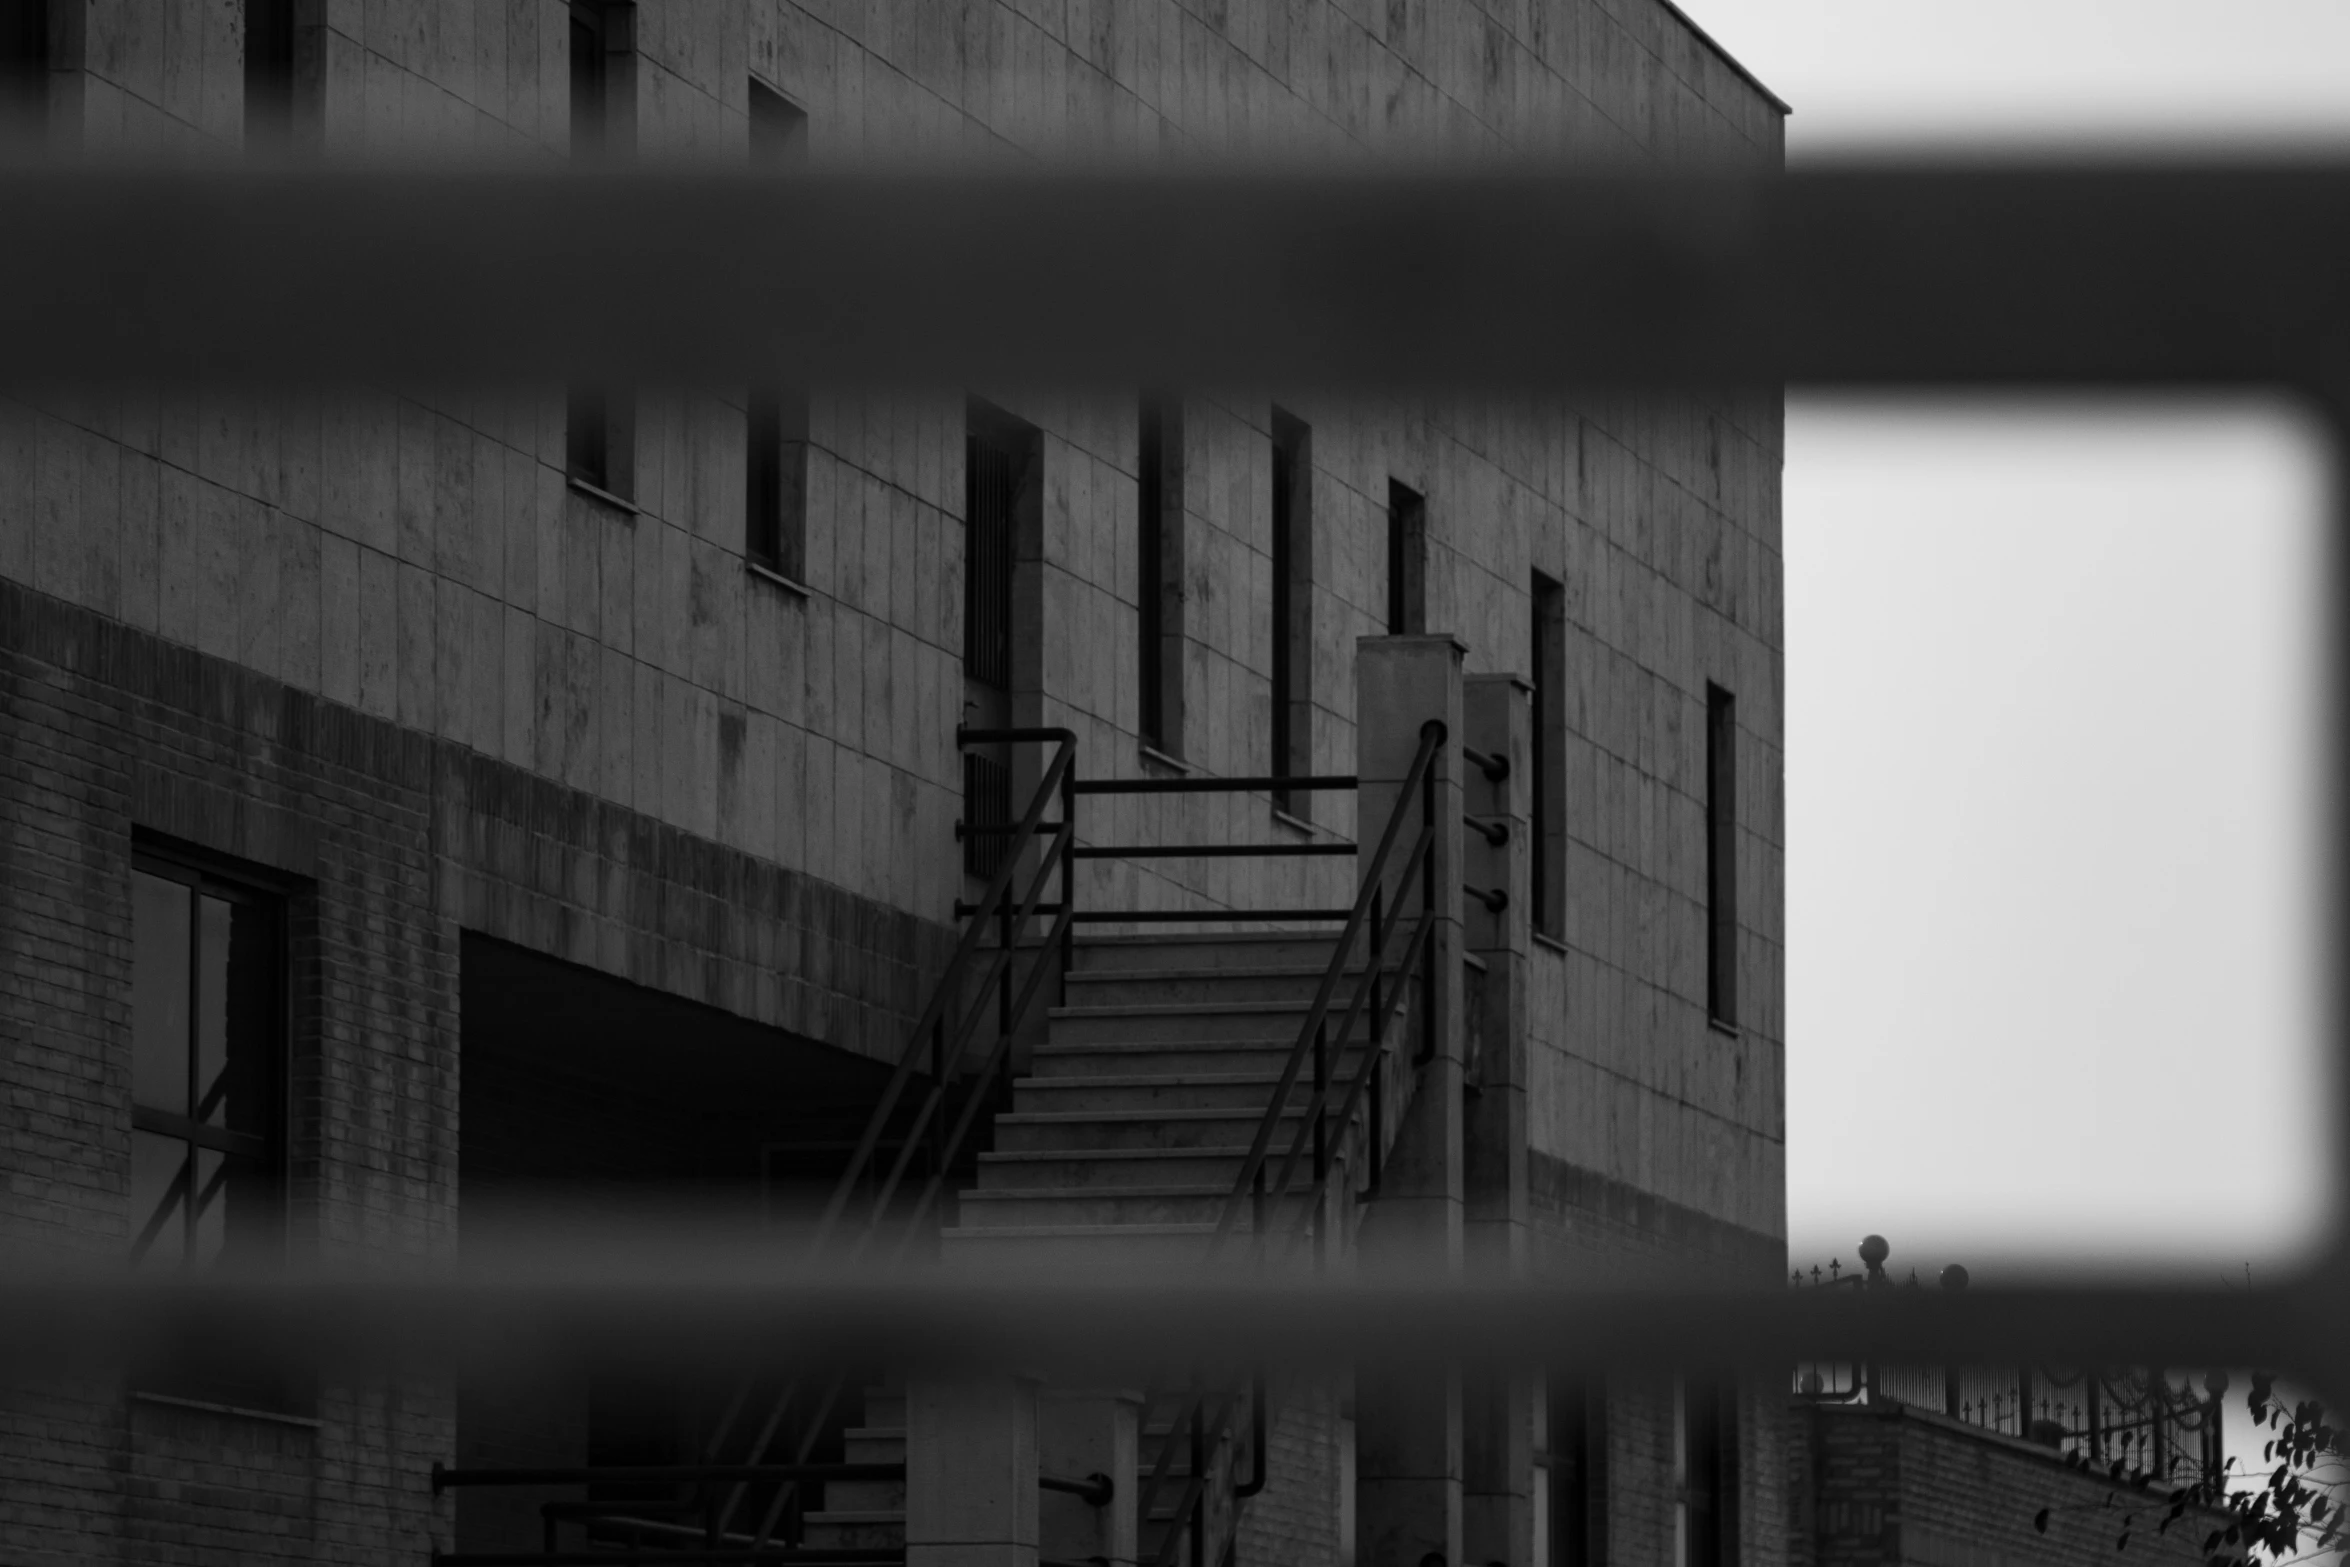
(415, 794)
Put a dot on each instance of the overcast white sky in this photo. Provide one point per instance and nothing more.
(2050, 700)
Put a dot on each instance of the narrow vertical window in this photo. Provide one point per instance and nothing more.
(24, 66)
(1293, 597)
(775, 480)
(1158, 558)
(207, 1088)
(1546, 793)
(1705, 1425)
(779, 129)
(599, 440)
(1577, 1472)
(1407, 561)
(269, 71)
(999, 455)
(1721, 855)
(593, 27)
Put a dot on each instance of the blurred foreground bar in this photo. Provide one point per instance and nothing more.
(717, 1319)
(2115, 275)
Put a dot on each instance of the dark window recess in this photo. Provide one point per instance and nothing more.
(1709, 1473)
(1407, 561)
(1293, 598)
(603, 41)
(1159, 576)
(207, 1094)
(987, 797)
(269, 70)
(775, 481)
(779, 129)
(1721, 855)
(24, 64)
(599, 439)
(1546, 789)
(1577, 1474)
(991, 481)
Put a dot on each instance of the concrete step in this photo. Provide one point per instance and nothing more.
(1109, 1169)
(1088, 1131)
(1190, 1023)
(875, 1444)
(841, 1530)
(1057, 1247)
(1255, 949)
(1033, 1206)
(1162, 1058)
(1165, 986)
(866, 1496)
(1152, 1091)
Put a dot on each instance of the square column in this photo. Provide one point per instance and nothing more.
(971, 1466)
(1408, 1420)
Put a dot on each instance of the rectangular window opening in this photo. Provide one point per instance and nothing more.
(1407, 561)
(775, 480)
(1546, 789)
(1159, 577)
(269, 71)
(1721, 855)
(779, 129)
(24, 67)
(603, 41)
(599, 439)
(208, 1096)
(1705, 1422)
(1001, 459)
(1577, 1472)
(1292, 609)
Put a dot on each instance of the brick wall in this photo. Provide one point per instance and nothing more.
(397, 840)
(1885, 1484)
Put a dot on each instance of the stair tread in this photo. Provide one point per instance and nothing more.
(1184, 1008)
(1072, 1193)
(1122, 976)
(1155, 1113)
(1156, 1080)
(1035, 1155)
(1029, 1232)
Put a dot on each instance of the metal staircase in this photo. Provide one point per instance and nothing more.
(1190, 1099)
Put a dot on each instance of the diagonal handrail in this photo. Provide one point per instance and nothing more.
(931, 1033)
(1416, 792)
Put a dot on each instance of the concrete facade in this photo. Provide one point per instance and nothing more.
(372, 644)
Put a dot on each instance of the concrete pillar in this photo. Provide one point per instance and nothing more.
(1081, 1433)
(1408, 1421)
(971, 1466)
(1498, 1403)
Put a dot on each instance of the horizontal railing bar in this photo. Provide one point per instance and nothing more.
(1000, 829)
(1174, 916)
(802, 1556)
(965, 735)
(1495, 768)
(1495, 899)
(655, 1474)
(1204, 851)
(1311, 783)
(1095, 1489)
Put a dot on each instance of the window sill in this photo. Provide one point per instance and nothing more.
(1295, 823)
(598, 493)
(1728, 1030)
(1152, 756)
(274, 1416)
(1545, 939)
(767, 573)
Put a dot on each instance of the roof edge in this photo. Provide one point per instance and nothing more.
(1727, 58)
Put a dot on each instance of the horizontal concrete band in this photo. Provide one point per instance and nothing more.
(2202, 272)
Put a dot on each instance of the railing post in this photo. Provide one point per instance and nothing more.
(1408, 1421)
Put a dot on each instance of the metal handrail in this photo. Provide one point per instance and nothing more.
(1312, 1041)
(930, 1033)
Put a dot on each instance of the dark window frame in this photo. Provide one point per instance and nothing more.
(778, 128)
(775, 480)
(1546, 789)
(1576, 1470)
(1407, 560)
(1159, 568)
(1708, 1420)
(1292, 629)
(269, 71)
(1721, 856)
